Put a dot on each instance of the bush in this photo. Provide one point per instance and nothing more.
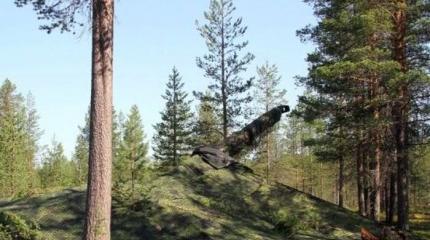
(286, 223)
(12, 227)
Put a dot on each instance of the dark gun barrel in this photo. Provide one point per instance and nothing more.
(222, 157)
(237, 141)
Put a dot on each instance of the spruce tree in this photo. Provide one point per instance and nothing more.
(224, 63)
(13, 142)
(173, 133)
(132, 156)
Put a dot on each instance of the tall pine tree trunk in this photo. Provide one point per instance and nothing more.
(98, 209)
(401, 114)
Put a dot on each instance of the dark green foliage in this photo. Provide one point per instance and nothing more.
(12, 227)
(173, 134)
(59, 14)
(224, 63)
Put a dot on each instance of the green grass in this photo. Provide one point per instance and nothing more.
(197, 202)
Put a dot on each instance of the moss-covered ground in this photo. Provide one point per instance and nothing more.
(195, 201)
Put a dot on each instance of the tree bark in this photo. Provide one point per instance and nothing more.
(391, 199)
(341, 181)
(268, 155)
(98, 208)
(321, 181)
(175, 139)
(401, 115)
(223, 86)
(378, 160)
(360, 181)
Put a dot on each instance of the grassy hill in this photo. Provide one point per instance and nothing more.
(198, 202)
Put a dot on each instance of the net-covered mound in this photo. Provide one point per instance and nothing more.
(195, 201)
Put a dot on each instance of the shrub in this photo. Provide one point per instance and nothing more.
(286, 223)
(13, 227)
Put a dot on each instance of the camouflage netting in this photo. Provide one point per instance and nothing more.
(219, 157)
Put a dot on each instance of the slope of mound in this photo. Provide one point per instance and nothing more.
(197, 202)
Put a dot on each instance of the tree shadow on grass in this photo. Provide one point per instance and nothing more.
(157, 223)
(225, 195)
(241, 195)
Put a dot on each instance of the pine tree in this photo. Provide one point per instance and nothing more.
(268, 95)
(65, 15)
(411, 51)
(132, 156)
(172, 138)
(207, 129)
(224, 64)
(361, 74)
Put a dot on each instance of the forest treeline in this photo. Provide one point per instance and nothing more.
(358, 136)
(368, 82)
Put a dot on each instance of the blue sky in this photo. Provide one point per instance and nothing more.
(151, 36)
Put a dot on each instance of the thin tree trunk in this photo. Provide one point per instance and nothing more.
(133, 158)
(392, 201)
(268, 159)
(268, 149)
(321, 181)
(378, 180)
(98, 208)
(367, 188)
(341, 181)
(175, 150)
(360, 179)
(223, 86)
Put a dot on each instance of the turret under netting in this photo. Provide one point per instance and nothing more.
(220, 157)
